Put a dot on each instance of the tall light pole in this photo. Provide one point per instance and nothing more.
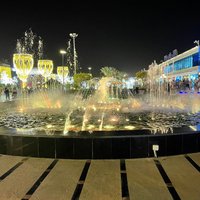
(73, 36)
(63, 52)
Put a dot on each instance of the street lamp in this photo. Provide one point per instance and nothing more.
(90, 68)
(73, 36)
(63, 52)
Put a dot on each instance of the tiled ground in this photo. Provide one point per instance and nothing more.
(175, 177)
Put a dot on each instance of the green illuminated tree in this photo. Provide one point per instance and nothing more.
(80, 77)
(112, 72)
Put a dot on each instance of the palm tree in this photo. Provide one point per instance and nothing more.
(112, 72)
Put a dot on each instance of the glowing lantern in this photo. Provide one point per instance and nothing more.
(23, 63)
(62, 72)
(45, 68)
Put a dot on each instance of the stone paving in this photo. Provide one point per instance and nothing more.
(173, 177)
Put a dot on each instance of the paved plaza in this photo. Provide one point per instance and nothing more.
(174, 177)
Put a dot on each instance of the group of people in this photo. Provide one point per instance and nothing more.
(184, 85)
(7, 92)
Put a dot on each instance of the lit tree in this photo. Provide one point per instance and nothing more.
(141, 74)
(69, 54)
(112, 72)
(30, 43)
(80, 77)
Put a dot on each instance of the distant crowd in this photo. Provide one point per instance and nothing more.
(8, 94)
(184, 85)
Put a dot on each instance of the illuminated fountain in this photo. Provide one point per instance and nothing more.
(110, 108)
(99, 118)
(104, 111)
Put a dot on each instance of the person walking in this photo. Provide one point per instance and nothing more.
(7, 93)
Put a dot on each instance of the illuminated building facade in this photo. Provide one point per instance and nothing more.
(184, 65)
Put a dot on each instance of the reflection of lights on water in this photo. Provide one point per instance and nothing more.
(90, 126)
(21, 110)
(49, 126)
(109, 127)
(129, 127)
(58, 104)
(194, 128)
(26, 131)
(94, 108)
(114, 119)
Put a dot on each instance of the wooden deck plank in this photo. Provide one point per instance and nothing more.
(7, 162)
(195, 157)
(184, 177)
(61, 181)
(103, 181)
(145, 181)
(17, 184)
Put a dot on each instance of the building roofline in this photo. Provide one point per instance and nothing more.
(180, 56)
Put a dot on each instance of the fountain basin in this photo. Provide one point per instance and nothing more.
(99, 145)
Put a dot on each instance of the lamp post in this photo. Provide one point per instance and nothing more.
(90, 68)
(63, 52)
(73, 36)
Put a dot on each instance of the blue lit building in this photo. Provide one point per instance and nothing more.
(186, 64)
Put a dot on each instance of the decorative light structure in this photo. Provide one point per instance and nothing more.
(45, 68)
(23, 63)
(62, 72)
(73, 36)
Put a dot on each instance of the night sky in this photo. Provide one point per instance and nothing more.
(122, 34)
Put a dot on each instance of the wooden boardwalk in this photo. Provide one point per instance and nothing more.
(174, 177)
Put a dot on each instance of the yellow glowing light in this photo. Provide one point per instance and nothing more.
(49, 126)
(109, 127)
(23, 63)
(62, 72)
(94, 108)
(127, 120)
(45, 67)
(53, 76)
(90, 126)
(21, 110)
(129, 127)
(193, 128)
(114, 119)
(6, 70)
(58, 104)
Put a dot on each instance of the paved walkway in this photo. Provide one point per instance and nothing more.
(175, 177)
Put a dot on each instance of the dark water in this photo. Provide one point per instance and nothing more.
(164, 121)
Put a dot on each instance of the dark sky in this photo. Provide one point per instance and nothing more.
(121, 34)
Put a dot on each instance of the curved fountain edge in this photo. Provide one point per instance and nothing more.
(99, 146)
